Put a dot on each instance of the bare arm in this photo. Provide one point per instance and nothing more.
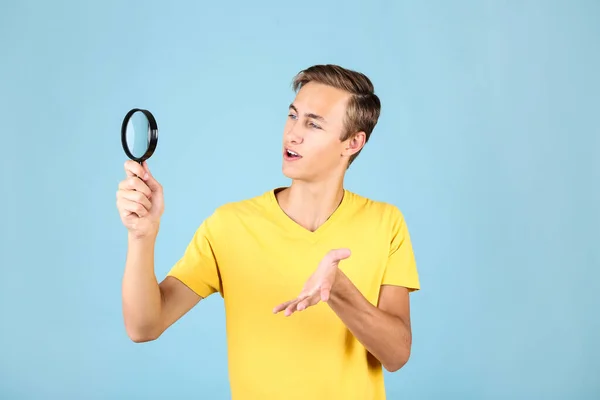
(149, 308)
(384, 330)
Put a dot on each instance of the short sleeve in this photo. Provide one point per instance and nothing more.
(198, 268)
(401, 268)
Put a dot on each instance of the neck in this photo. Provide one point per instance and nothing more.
(310, 204)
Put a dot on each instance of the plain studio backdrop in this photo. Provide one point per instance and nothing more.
(488, 142)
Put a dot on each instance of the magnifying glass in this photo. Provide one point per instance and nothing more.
(139, 134)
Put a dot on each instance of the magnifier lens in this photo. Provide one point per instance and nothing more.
(138, 134)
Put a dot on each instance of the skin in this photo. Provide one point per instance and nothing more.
(313, 129)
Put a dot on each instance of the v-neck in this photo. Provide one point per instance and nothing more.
(296, 228)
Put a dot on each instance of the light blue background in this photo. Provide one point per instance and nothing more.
(488, 142)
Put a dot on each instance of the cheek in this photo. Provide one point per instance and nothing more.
(326, 151)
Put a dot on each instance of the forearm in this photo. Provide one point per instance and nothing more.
(141, 294)
(384, 335)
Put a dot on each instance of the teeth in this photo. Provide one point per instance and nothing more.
(292, 153)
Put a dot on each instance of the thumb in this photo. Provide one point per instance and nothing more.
(339, 254)
(149, 179)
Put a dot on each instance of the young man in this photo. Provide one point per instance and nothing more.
(315, 278)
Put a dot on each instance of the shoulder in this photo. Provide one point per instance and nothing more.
(386, 216)
(373, 208)
(244, 208)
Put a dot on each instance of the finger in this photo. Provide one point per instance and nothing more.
(135, 196)
(325, 293)
(131, 207)
(325, 290)
(282, 306)
(150, 181)
(128, 207)
(290, 309)
(309, 302)
(135, 183)
(133, 168)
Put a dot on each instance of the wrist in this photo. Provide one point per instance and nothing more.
(142, 238)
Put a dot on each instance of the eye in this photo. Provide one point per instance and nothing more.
(313, 125)
(292, 116)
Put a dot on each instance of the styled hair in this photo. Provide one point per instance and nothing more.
(363, 108)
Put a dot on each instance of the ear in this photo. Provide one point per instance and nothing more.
(354, 144)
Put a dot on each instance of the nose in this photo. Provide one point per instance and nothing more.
(292, 134)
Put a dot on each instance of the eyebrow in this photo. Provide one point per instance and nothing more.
(309, 115)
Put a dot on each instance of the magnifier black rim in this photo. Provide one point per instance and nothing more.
(153, 134)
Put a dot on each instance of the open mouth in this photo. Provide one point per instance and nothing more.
(291, 155)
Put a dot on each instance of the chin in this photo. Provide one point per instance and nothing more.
(293, 173)
(289, 173)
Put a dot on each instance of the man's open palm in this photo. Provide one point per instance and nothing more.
(318, 287)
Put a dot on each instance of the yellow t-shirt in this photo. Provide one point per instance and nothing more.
(257, 257)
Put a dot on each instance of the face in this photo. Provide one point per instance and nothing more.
(312, 149)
